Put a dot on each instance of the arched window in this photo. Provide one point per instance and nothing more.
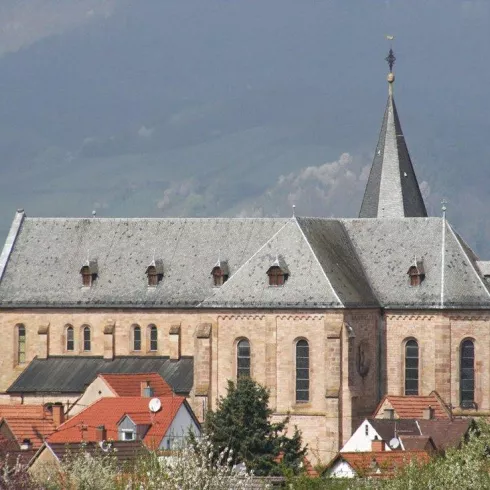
(243, 358)
(302, 371)
(86, 338)
(220, 275)
(277, 277)
(21, 344)
(86, 276)
(467, 374)
(152, 276)
(153, 338)
(136, 337)
(411, 367)
(70, 338)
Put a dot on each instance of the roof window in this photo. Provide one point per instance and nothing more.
(220, 273)
(155, 272)
(89, 272)
(278, 272)
(416, 273)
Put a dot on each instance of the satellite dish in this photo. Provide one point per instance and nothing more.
(105, 446)
(155, 405)
(395, 443)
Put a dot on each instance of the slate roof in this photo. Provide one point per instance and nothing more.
(332, 263)
(110, 411)
(71, 374)
(392, 190)
(412, 407)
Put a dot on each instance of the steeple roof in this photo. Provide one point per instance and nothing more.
(392, 190)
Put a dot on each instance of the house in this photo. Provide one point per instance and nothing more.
(160, 423)
(412, 407)
(328, 314)
(29, 425)
(118, 384)
(407, 434)
(376, 464)
(52, 454)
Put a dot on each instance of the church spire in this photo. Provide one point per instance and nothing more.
(392, 190)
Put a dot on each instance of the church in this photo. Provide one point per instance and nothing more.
(329, 314)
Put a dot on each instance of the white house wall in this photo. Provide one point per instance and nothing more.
(182, 423)
(360, 442)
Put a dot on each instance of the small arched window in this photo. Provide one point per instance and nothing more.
(411, 367)
(89, 272)
(302, 371)
(136, 337)
(220, 275)
(153, 338)
(243, 359)
(467, 374)
(21, 344)
(70, 338)
(87, 340)
(155, 272)
(152, 276)
(277, 277)
(86, 276)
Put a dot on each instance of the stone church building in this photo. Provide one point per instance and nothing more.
(328, 314)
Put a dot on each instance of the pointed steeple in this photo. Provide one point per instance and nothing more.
(392, 190)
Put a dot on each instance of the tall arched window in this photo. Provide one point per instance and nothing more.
(70, 338)
(411, 367)
(243, 358)
(153, 338)
(136, 337)
(87, 341)
(21, 344)
(467, 374)
(302, 371)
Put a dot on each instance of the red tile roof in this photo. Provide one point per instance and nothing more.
(31, 422)
(109, 411)
(130, 384)
(412, 407)
(380, 464)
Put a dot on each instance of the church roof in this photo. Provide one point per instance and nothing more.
(332, 263)
(72, 374)
(392, 190)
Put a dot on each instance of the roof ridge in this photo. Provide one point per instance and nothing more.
(317, 260)
(468, 259)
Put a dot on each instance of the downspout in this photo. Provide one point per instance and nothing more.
(381, 353)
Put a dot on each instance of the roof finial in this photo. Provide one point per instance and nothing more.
(444, 207)
(391, 61)
(294, 210)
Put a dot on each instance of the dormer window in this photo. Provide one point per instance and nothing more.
(416, 273)
(220, 274)
(155, 272)
(278, 273)
(89, 272)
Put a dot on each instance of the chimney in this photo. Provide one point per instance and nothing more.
(389, 413)
(58, 414)
(428, 413)
(100, 433)
(377, 444)
(26, 445)
(146, 389)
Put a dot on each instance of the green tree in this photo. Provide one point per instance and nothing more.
(242, 423)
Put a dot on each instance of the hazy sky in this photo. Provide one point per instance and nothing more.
(238, 107)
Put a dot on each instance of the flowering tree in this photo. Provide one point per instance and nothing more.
(192, 467)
